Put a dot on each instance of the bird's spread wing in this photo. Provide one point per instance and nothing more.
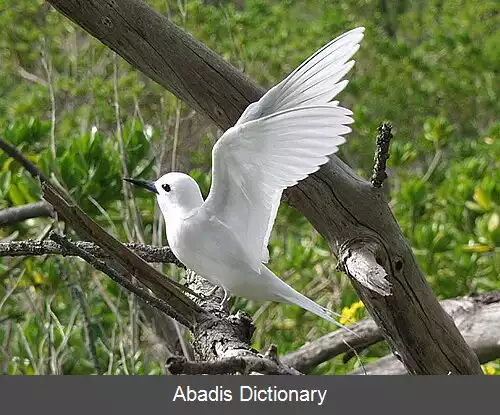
(316, 81)
(254, 162)
(277, 142)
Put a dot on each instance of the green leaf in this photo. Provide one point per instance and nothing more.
(16, 195)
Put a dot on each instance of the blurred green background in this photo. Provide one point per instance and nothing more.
(431, 68)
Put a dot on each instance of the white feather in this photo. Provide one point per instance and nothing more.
(315, 82)
(254, 162)
(321, 74)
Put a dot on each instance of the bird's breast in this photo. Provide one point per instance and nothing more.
(190, 242)
(207, 247)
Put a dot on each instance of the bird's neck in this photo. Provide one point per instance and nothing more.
(179, 212)
(181, 209)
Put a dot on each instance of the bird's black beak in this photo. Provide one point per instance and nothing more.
(143, 183)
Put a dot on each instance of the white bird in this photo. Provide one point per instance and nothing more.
(278, 141)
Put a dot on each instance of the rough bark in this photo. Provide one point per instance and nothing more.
(344, 208)
(477, 318)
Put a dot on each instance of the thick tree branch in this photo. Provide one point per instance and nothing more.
(344, 208)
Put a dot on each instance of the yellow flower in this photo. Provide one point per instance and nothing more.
(38, 278)
(349, 314)
(489, 369)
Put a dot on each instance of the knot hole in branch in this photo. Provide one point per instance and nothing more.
(106, 21)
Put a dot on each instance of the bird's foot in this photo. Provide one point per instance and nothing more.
(211, 292)
(224, 301)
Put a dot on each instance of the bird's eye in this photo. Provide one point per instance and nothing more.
(166, 187)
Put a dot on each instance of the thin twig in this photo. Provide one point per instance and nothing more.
(173, 164)
(11, 290)
(381, 154)
(353, 351)
(6, 348)
(52, 366)
(76, 291)
(17, 214)
(21, 159)
(112, 307)
(27, 347)
(23, 73)
(131, 212)
(35, 172)
(434, 163)
(31, 247)
(67, 334)
(47, 66)
(333, 344)
(89, 331)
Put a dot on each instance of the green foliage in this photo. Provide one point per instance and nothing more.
(429, 67)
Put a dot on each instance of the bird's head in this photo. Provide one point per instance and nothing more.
(177, 193)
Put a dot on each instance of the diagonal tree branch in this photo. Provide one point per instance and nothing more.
(127, 259)
(344, 208)
(17, 155)
(477, 317)
(124, 278)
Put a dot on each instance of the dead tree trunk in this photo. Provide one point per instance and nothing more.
(351, 214)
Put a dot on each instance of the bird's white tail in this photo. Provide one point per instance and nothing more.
(286, 294)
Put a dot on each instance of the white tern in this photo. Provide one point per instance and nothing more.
(278, 141)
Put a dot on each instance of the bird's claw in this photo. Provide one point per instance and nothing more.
(211, 292)
(225, 299)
